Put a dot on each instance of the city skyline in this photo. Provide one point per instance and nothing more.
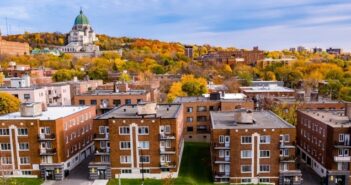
(270, 24)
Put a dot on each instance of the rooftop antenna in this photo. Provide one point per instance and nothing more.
(7, 26)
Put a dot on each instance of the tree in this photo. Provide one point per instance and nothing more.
(67, 74)
(2, 78)
(8, 103)
(124, 77)
(175, 91)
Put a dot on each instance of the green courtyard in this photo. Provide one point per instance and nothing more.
(195, 169)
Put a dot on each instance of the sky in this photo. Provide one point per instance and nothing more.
(269, 24)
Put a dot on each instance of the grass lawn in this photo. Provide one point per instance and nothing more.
(22, 181)
(195, 168)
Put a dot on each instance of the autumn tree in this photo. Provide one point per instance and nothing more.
(8, 103)
(2, 78)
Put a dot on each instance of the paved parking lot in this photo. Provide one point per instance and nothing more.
(78, 176)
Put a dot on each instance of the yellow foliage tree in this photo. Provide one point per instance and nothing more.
(8, 103)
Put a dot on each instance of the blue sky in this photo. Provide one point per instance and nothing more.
(269, 24)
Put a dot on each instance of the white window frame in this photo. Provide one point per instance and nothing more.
(122, 130)
(265, 165)
(244, 139)
(125, 159)
(121, 143)
(146, 157)
(142, 129)
(263, 151)
(244, 151)
(241, 168)
(265, 138)
(22, 144)
(144, 145)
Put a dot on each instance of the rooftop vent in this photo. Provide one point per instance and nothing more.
(147, 109)
(31, 109)
(243, 116)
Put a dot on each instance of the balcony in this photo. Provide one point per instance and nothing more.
(286, 145)
(222, 160)
(345, 144)
(168, 150)
(102, 151)
(47, 151)
(101, 137)
(168, 164)
(46, 137)
(287, 158)
(221, 174)
(342, 158)
(221, 145)
(167, 136)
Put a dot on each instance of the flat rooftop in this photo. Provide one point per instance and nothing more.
(131, 111)
(333, 118)
(206, 97)
(268, 88)
(262, 119)
(112, 92)
(307, 100)
(20, 88)
(52, 113)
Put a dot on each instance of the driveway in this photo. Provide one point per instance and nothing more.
(78, 176)
(309, 176)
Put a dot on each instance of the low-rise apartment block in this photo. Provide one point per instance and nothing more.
(47, 144)
(135, 141)
(197, 109)
(252, 147)
(323, 140)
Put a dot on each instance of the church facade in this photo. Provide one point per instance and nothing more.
(81, 39)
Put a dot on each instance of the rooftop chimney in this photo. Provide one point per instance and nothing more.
(31, 109)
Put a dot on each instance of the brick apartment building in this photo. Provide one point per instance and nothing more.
(133, 141)
(197, 112)
(105, 100)
(45, 144)
(323, 141)
(252, 147)
(233, 57)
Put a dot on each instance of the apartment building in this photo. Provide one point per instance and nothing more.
(252, 147)
(58, 94)
(28, 94)
(105, 100)
(323, 141)
(46, 144)
(136, 141)
(197, 112)
(271, 90)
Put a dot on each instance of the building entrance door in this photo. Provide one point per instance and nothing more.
(102, 174)
(49, 174)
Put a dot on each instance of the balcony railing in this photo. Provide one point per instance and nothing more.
(287, 158)
(221, 174)
(286, 145)
(165, 136)
(46, 151)
(171, 150)
(101, 137)
(102, 151)
(342, 158)
(221, 145)
(168, 164)
(222, 159)
(345, 144)
(46, 137)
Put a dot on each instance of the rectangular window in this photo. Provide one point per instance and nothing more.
(22, 131)
(201, 118)
(168, 129)
(265, 153)
(246, 180)
(24, 160)
(143, 130)
(4, 131)
(93, 102)
(201, 109)
(26, 96)
(246, 140)
(221, 139)
(189, 129)
(189, 119)
(81, 102)
(265, 168)
(144, 144)
(5, 146)
(124, 144)
(102, 129)
(341, 137)
(264, 180)
(246, 154)
(124, 130)
(144, 170)
(126, 171)
(117, 102)
(189, 109)
(125, 159)
(6, 160)
(128, 101)
(265, 139)
(23, 146)
(26, 172)
(144, 159)
(245, 168)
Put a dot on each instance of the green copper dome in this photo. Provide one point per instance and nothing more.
(81, 19)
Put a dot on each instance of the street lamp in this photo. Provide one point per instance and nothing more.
(142, 165)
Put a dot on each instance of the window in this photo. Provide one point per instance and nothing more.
(221, 153)
(221, 139)
(23, 146)
(5, 146)
(23, 132)
(26, 96)
(189, 109)
(126, 171)
(139, 101)
(143, 130)
(165, 158)
(124, 130)
(24, 160)
(144, 144)
(265, 139)
(167, 129)
(201, 118)
(125, 159)
(189, 119)
(245, 168)
(201, 109)
(341, 137)
(93, 102)
(246, 154)
(246, 140)
(284, 138)
(264, 168)
(284, 152)
(189, 129)
(26, 172)
(264, 180)
(144, 170)
(81, 102)
(117, 102)
(4, 131)
(264, 153)
(6, 160)
(105, 158)
(128, 101)
(124, 144)
(246, 180)
(144, 159)
(102, 130)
